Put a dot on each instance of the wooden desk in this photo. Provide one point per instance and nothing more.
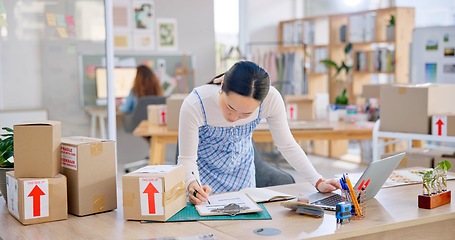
(301, 131)
(393, 214)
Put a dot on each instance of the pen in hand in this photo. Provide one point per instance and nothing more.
(200, 185)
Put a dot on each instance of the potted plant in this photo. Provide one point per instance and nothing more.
(6, 157)
(434, 184)
(345, 64)
(390, 29)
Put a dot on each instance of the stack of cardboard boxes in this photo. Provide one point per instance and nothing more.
(54, 176)
(36, 189)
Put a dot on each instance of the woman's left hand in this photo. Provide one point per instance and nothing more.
(329, 185)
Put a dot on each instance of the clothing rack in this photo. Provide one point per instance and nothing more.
(290, 44)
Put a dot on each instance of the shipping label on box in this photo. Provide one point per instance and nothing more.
(37, 200)
(151, 190)
(154, 192)
(89, 165)
(69, 157)
(37, 149)
(443, 125)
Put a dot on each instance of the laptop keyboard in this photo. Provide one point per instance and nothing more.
(330, 201)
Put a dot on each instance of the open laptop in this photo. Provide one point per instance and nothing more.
(377, 172)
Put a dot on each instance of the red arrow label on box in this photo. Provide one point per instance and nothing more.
(150, 190)
(36, 194)
(163, 117)
(439, 123)
(291, 112)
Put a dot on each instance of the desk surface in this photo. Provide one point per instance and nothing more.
(338, 130)
(393, 213)
(160, 135)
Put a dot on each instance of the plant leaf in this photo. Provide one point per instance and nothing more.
(348, 48)
(444, 165)
(329, 63)
(7, 129)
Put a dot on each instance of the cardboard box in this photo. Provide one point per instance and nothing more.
(173, 103)
(89, 165)
(419, 157)
(157, 114)
(154, 192)
(443, 125)
(300, 105)
(37, 200)
(408, 108)
(37, 149)
(372, 90)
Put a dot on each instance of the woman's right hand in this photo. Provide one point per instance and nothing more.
(197, 194)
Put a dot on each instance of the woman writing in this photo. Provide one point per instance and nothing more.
(146, 83)
(215, 133)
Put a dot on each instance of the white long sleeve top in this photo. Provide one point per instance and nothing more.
(273, 110)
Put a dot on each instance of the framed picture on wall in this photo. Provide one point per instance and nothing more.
(144, 41)
(144, 15)
(121, 16)
(122, 41)
(167, 34)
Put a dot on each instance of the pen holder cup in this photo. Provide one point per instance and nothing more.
(361, 199)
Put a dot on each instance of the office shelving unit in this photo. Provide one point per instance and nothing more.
(380, 54)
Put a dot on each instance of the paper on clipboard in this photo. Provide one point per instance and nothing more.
(219, 201)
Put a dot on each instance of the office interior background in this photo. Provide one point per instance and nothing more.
(41, 63)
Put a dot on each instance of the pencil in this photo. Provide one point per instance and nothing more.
(354, 199)
(200, 186)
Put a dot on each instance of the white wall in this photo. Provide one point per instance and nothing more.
(259, 19)
(21, 80)
(431, 13)
(196, 32)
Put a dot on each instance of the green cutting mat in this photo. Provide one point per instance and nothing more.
(189, 213)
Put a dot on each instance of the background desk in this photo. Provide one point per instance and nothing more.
(393, 214)
(301, 131)
(98, 114)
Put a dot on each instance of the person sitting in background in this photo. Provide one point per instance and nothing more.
(146, 83)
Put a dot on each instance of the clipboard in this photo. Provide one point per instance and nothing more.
(189, 214)
(229, 203)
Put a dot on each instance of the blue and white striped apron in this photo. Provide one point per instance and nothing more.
(226, 155)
